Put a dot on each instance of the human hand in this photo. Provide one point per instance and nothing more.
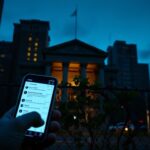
(12, 130)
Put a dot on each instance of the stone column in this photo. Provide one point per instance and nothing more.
(65, 80)
(48, 69)
(83, 70)
(101, 78)
(65, 73)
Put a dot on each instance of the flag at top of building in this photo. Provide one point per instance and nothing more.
(74, 13)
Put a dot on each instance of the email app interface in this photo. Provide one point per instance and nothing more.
(36, 97)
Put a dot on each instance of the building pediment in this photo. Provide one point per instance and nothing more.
(75, 47)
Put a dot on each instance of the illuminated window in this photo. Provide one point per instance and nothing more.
(29, 48)
(36, 44)
(91, 73)
(35, 54)
(28, 54)
(30, 38)
(57, 71)
(74, 70)
(35, 59)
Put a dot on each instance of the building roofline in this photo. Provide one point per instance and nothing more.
(75, 41)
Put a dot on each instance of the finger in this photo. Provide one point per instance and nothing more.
(27, 120)
(56, 115)
(54, 126)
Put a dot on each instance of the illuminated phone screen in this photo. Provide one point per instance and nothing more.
(36, 97)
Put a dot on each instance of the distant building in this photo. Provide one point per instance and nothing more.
(29, 39)
(130, 74)
(6, 57)
(110, 76)
(1, 9)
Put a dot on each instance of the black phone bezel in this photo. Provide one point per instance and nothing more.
(40, 79)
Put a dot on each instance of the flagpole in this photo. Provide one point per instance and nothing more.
(76, 24)
(74, 14)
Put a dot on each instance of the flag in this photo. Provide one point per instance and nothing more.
(74, 13)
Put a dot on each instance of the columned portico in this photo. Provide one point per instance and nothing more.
(65, 72)
(74, 58)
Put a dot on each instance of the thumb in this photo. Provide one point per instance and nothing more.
(27, 120)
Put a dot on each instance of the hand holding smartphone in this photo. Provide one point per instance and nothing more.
(37, 93)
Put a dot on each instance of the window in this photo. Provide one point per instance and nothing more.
(35, 59)
(91, 72)
(57, 71)
(30, 38)
(36, 44)
(28, 54)
(73, 70)
(35, 54)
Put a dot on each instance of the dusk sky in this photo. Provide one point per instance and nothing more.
(100, 22)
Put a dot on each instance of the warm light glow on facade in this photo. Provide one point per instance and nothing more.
(91, 72)
(57, 71)
(57, 65)
(73, 70)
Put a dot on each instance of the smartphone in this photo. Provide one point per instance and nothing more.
(37, 93)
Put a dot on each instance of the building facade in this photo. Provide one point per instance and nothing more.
(75, 58)
(30, 53)
(6, 57)
(130, 74)
(29, 39)
(6, 51)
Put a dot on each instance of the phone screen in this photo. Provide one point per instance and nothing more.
(37, 97)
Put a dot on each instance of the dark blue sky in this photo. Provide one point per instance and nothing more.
(100, 22)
